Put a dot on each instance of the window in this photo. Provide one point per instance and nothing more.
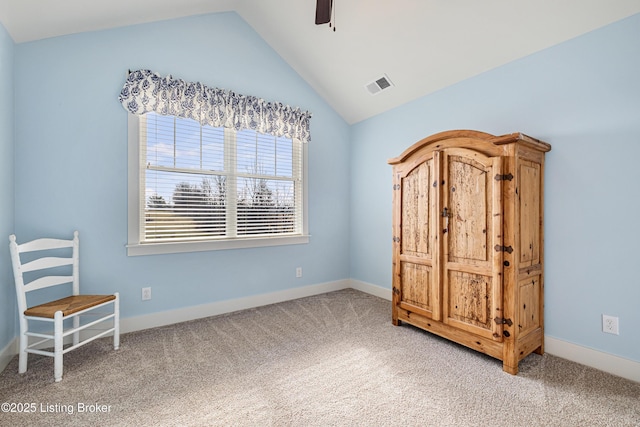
(197, 187)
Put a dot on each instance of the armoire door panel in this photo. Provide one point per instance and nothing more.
(416, 201)
(529, 203)
(468, 199)
(470, 297)
(529, 306)
(416, 285)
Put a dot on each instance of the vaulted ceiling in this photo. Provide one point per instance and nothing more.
(421, 45)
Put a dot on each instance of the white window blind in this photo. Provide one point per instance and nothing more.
(201, 183)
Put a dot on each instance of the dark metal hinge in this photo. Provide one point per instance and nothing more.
(507, 249)
(396, 186)
(502, 321)
(396, 291)
(507, 177)
(396, 239)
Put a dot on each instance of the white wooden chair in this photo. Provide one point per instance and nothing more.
(44, 272)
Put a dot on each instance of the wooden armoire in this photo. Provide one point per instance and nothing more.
(468, 257)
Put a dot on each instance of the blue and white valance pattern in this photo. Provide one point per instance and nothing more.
(146, 91)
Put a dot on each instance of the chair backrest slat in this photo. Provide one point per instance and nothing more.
(44, 263)
(44, 244)
(45, 282)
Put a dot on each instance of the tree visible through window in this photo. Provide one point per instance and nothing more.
(205, 183)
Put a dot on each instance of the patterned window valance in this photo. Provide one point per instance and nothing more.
(146, 91)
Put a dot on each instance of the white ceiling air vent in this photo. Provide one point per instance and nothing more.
(378, 85)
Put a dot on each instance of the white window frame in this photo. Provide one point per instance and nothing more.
(136, 212)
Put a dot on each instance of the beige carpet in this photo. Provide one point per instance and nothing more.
(328, 360)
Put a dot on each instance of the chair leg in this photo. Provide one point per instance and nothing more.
(23, 355)
(116, 322)
(76, 325)
(57, 346)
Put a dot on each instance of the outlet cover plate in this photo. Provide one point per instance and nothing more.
(610, 325)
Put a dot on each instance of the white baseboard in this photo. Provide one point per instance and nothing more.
(8, 352)
(154, 320)
(606, 362)
(368, 288)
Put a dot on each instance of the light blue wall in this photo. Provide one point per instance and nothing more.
(7, 292)
(71, 159)
(583, 97)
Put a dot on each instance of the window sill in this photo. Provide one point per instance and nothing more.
(139, 249)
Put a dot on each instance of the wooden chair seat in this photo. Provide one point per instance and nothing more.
(68, 305)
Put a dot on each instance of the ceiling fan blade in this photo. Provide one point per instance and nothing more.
(323, 11)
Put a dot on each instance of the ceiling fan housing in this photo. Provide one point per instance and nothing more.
(323, 11)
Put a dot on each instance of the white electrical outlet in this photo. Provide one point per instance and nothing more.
(299, 272)
(146, 294)
(610, 325)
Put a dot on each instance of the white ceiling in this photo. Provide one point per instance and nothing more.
(422, 45)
